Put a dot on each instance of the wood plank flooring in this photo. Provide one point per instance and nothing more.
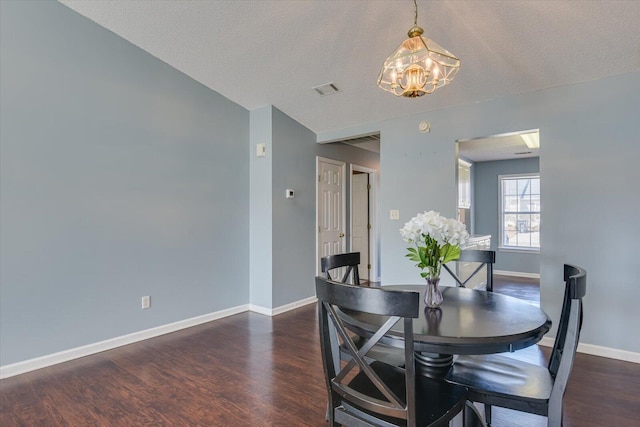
(252, 370)
(518, 287)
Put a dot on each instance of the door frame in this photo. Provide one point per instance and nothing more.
(343, 212)
(374, 275)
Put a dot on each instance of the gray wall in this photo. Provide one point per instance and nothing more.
(261, 209)
(588, 161)
(486, 213)
(589, 164)
(294, 235)
(120, 177)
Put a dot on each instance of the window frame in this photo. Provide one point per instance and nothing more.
(501, 213)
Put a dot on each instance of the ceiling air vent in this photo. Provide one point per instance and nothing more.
(326, 89)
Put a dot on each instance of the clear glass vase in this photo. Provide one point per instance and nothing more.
(433, 296)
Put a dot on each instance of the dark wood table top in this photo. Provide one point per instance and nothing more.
(468, 322)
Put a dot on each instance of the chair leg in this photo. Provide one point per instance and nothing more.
(471, 417)
(555, 414)
(487, 414)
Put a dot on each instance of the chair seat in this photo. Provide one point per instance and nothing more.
(436, 402)
(503, 377)
(383, 353)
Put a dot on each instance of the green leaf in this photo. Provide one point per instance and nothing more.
(413, 257)
(423, 255)
(450, 253)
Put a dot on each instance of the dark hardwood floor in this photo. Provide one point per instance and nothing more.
(252, 370)
(518, 287)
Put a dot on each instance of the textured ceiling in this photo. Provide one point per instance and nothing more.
(273, 52)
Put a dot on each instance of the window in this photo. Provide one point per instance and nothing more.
(519, 201)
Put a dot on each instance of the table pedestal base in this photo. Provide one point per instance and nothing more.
(433, 365)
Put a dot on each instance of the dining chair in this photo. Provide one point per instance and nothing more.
(349, 261)
(499, 380)
(483, 258)
(366, 392)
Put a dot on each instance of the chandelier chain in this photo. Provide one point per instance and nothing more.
(415, 20)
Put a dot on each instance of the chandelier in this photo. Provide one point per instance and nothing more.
(418, 66)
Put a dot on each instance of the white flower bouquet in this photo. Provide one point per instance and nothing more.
(437, 241)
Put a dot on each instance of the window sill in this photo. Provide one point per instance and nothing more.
(519, 250)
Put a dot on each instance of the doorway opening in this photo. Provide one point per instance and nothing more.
(346, 217)
(362, 220)
(498, 184)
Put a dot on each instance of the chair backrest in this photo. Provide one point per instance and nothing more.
(333, 300)
(570, 317)
(349, 261)
(568, 335)
(483, 258)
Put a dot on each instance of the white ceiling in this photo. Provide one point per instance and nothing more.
(261, 52)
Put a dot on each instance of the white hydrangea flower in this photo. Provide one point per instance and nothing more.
(431, 227)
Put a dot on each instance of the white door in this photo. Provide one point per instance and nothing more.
(360, 220)
(331, 209)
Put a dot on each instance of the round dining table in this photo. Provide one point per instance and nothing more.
(468, 322)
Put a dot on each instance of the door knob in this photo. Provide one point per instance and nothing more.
(341, 235)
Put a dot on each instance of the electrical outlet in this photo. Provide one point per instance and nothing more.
(394, 214)
(146, 302)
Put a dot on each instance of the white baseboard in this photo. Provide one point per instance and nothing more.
(517, 274)
(13, 369)
(596, 350)
(87, 350)
(282, 308)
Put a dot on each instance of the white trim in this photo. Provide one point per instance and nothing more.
(86, 350)
(373, 209)
(516, 274)
(13, 369)
(464, 162)
(519, 250)
(260, 310)
(283, 308)
(596, 350)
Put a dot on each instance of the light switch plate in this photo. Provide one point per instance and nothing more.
(394, 214)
